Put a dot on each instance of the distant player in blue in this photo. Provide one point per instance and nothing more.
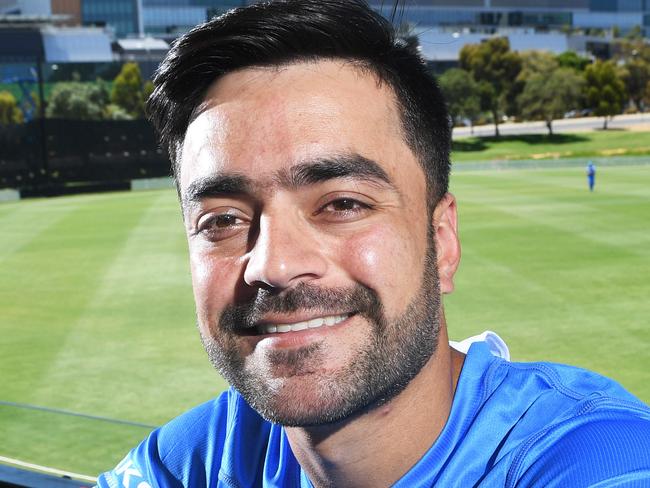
(591, 175)
(311, 154)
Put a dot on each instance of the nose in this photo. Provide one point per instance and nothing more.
(284, 254)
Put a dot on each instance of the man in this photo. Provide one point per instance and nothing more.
(591, 175)
(311, 154)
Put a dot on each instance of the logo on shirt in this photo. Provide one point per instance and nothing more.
(129, 476)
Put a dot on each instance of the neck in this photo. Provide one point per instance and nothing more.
(379, 446)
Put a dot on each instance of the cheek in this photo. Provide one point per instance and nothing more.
(388, 261)
(213, 282)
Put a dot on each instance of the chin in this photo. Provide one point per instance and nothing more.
(299, 401)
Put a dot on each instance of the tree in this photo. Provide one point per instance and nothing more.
(115, 112)
(80, 101)
(549, 96)
(569, 59)
(147, 90)
(534, 62)
(462, 95)
(635, 32)
(633, 58)
(128, 90)
(605, 91)
(627, 49)
(9, 111)
(636, 75)
(495, 67)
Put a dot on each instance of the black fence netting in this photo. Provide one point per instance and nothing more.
(47, 156)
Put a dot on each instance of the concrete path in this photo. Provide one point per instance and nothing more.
(620, 122)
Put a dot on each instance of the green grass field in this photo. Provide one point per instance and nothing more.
(542, 146)
(96, 312)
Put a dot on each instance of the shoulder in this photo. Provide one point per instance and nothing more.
(582, 429)
(555, 391)
(604, 446)
(565, 426)
(191, 449)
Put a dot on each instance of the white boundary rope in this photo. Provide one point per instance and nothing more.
(45, 469)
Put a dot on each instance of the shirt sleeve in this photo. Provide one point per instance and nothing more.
(188, 451)
(141, 468)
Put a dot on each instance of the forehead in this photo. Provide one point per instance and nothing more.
(258, 120)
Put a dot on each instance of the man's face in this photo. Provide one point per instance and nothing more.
(311, 248)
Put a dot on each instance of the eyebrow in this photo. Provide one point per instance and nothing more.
(215, 185)
(302, 174)
(323, 169)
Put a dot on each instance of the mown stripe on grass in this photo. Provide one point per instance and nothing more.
(21, 224)
(48, 282)
(133, 319)
(128, 355)
(600, 220)
(547, 268)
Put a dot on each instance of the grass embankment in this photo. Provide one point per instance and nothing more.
(542, 146)
(96, 309)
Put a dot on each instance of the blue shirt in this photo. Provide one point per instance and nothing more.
(511, 424)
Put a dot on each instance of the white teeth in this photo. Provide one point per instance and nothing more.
(300, 326)
(308, 324)
(313, 323)
(330, 320)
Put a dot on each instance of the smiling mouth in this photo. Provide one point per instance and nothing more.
(327, 321)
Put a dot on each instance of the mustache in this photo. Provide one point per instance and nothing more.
(357, 299)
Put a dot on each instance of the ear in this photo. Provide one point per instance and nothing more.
(445, 228)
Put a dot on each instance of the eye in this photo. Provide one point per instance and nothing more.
(344, 205)
(343, 209)
(219, 226)
(223, 221)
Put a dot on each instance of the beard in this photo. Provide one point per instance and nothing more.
(285, 387)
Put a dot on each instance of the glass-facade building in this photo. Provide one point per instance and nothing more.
(168, 18)
(154, 17)
(119, 15)
(543, 14)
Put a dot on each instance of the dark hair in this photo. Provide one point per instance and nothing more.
(286, 31)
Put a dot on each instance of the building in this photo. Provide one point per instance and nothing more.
(537, 14)
(443, 26)
(441, 46)
(24, 45)
(122, 17)
(25, 7)
(69, 8)
(161, 18)
(169, 18)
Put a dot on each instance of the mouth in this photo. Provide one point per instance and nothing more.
(315, 323)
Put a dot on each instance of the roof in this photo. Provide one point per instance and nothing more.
(76, 45)
(144, 44)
